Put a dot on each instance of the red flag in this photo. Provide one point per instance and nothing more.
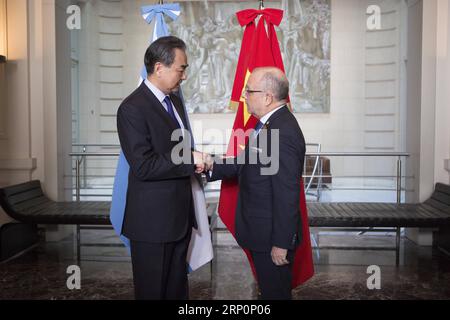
(260, 48)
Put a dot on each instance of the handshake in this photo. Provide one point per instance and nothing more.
(203, 162)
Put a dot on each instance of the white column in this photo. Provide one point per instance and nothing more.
(49, 87)
(442, 131)
(3, 217)
(428, 103)
(37, 131)
(3, 29)
(423, 127)
(16, 161)
(56, 125)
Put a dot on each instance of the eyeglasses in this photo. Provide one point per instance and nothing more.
(248, 91)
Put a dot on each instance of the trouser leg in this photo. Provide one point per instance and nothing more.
(274, 281)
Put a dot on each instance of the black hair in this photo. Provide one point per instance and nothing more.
(162, 50)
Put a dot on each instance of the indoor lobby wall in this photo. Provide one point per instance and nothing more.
(372, 109)
(37, 94)
(366, 96)
(442, 132)
(37, 137)
(16, 160)
(428, 112)
(351, 125)
(37, 121)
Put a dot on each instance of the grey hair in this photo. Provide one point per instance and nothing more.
(275, 81)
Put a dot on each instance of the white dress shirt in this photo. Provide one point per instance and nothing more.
(161, 96)
(266, 117)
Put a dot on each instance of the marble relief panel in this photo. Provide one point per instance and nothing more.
(213, 37)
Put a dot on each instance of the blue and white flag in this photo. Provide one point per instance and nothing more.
(200, 249)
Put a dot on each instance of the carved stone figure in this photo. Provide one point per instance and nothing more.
(213, 38)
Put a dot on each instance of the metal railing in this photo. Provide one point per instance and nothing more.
(81, 158)
(398, 155)
(316, 173)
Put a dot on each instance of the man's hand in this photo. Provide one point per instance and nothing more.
(203, 161)
(279, 256)
(198, 161)
(209, 161)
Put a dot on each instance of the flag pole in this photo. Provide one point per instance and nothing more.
(261, 5)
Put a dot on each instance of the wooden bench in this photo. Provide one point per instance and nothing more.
(433, 213)
(27, 203)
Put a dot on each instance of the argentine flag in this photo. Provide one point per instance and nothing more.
(200, 249)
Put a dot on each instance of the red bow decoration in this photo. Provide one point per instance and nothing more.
(271, 16)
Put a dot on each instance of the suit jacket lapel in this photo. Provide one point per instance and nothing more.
(253, 144)
(276, 115)
(157, 106)
(178, 104)
(254, 141)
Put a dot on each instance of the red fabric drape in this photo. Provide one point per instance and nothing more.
(260, 49)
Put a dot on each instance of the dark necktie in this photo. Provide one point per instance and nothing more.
(258, 127)
(170, 110)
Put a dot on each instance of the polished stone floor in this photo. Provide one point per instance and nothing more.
(424, 272)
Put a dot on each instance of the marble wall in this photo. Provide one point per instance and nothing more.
(35, 139)
(3, 29)
(214, 36)
(442, 129)
(2, 99)
(365, 86)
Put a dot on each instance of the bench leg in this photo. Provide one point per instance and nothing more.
(397, 247)
(212, 227)
(78, 244)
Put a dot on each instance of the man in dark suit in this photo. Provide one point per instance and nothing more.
(268, 211)
(159, 213)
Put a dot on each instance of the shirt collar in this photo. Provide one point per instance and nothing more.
(268, 115)
(158, 93)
